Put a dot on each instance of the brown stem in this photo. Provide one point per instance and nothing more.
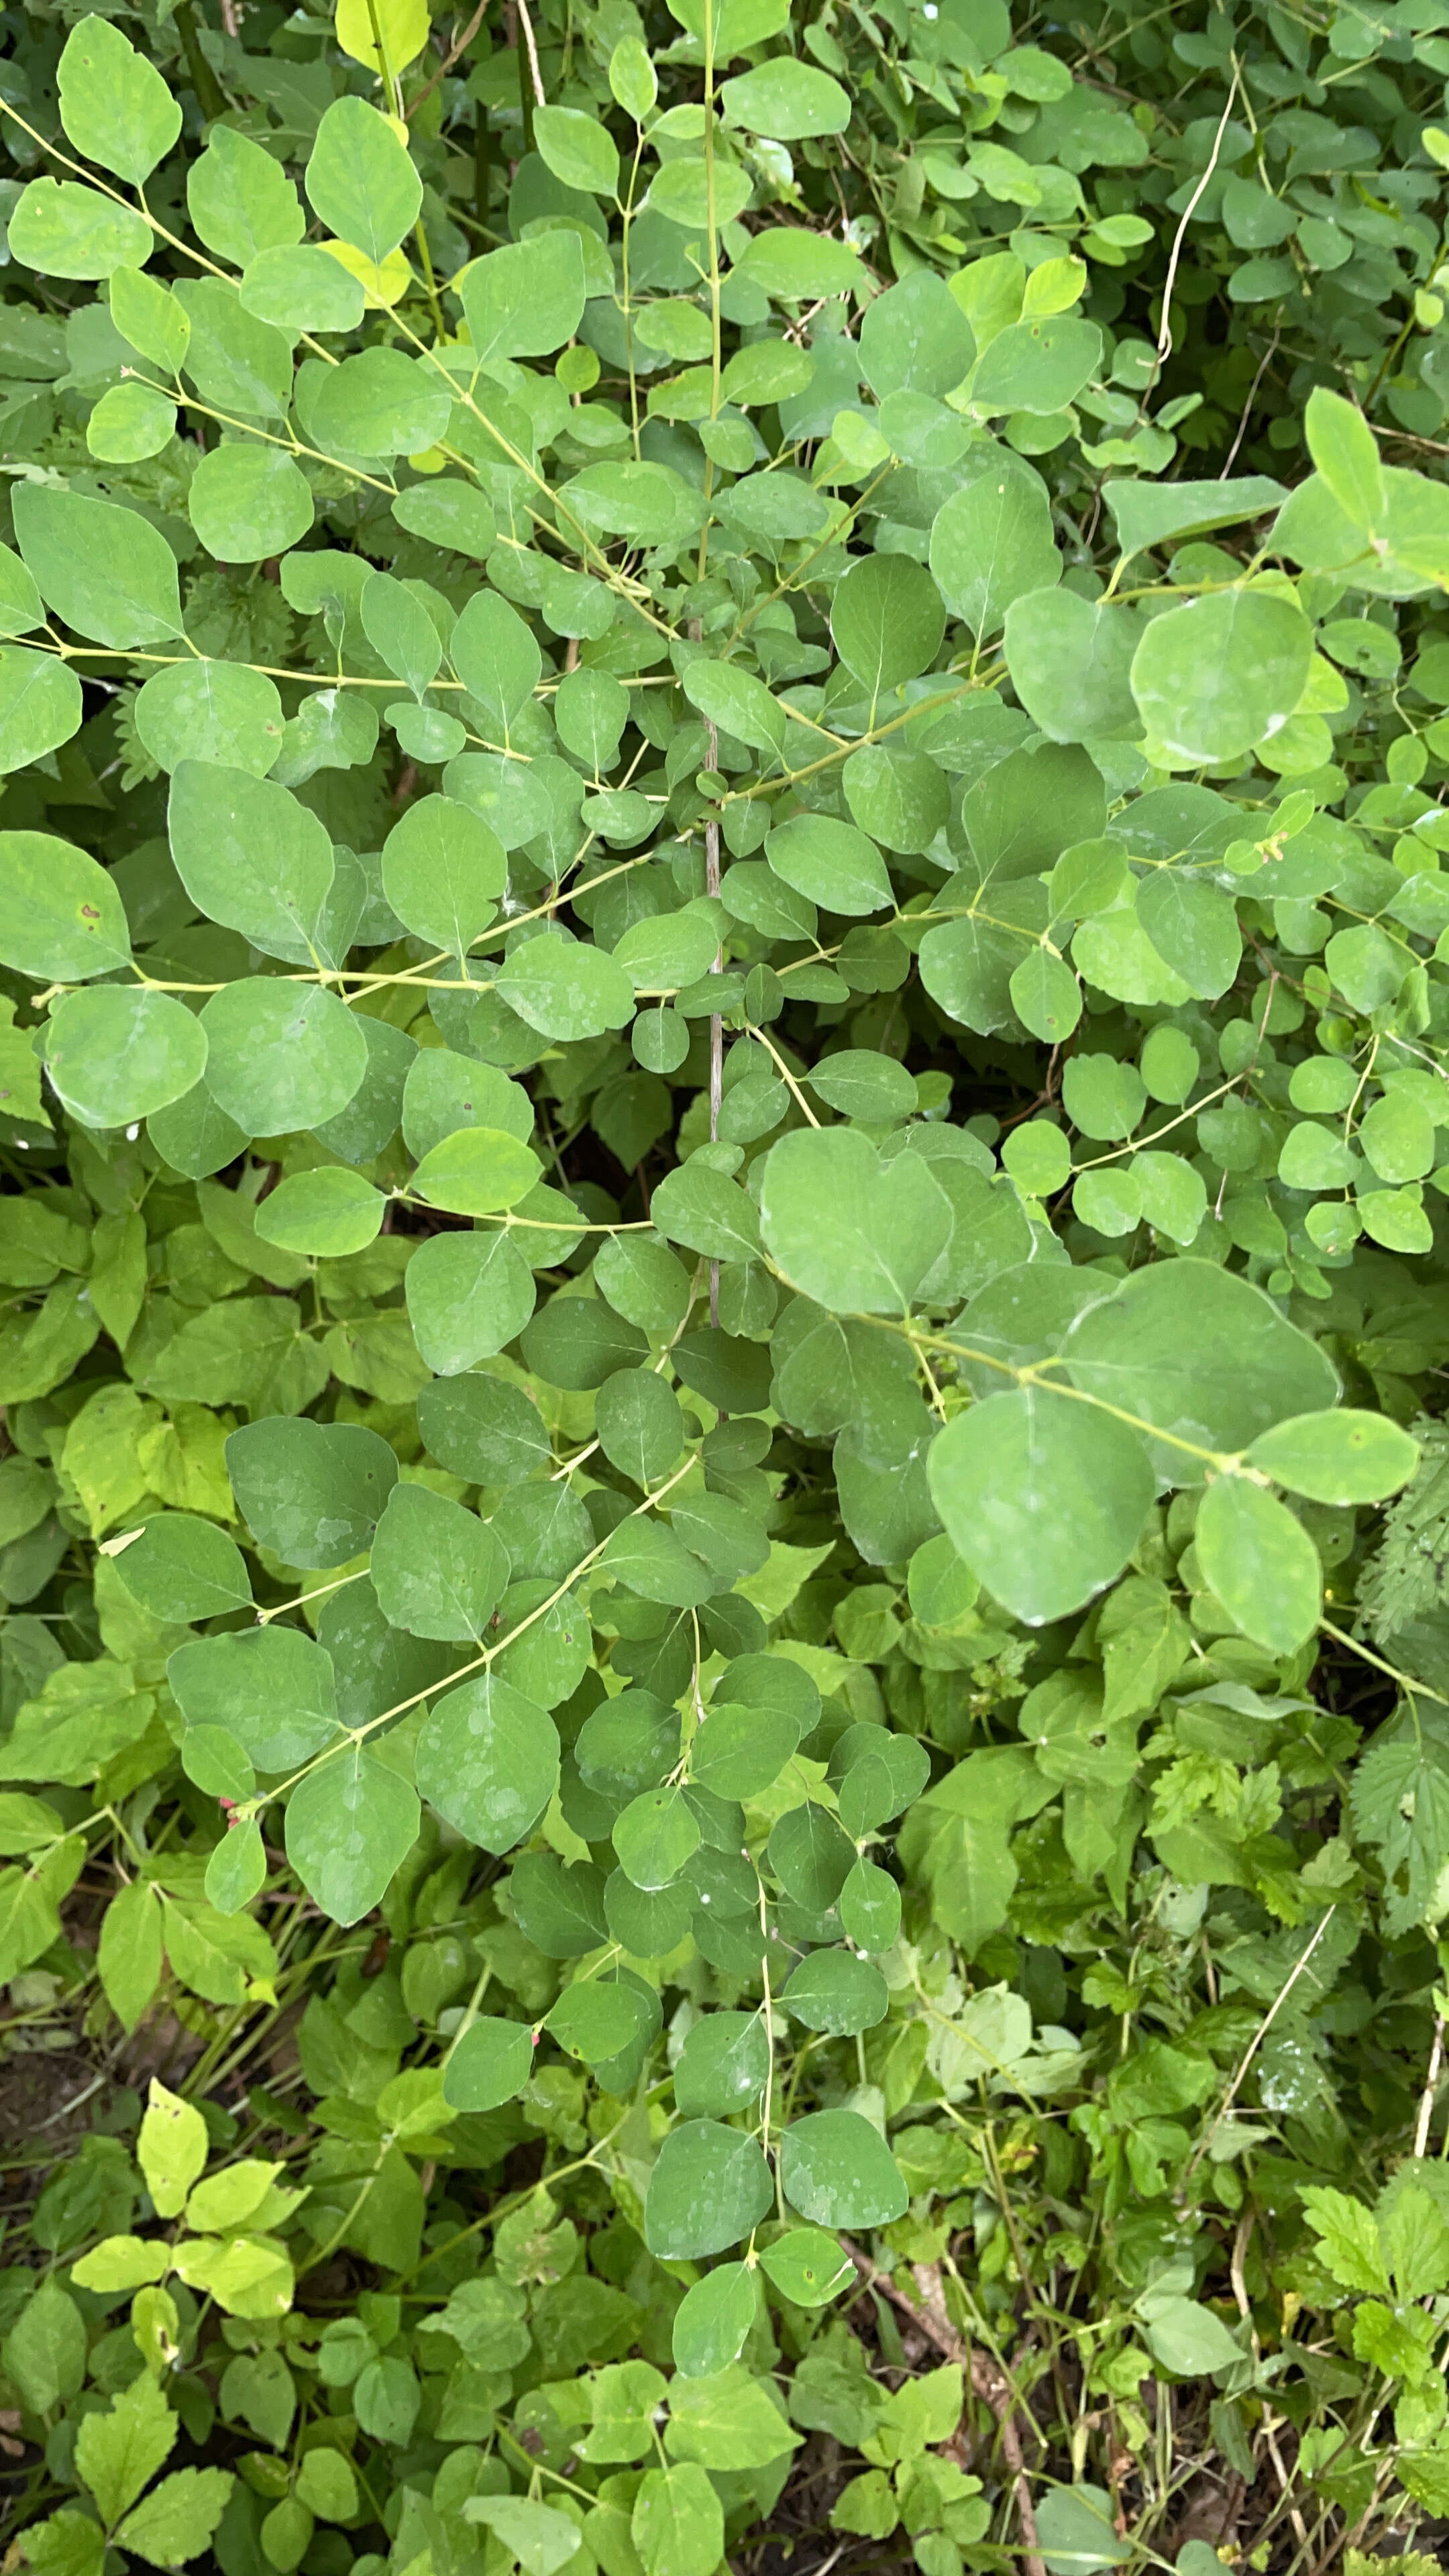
(449, 58)
(931, 2320)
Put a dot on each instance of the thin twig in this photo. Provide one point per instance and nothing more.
(1251, 2051)
(1164, 336)
(1431, 2086)
(987, 2383)
(526, 23)
(446, 65)
(1264, 363)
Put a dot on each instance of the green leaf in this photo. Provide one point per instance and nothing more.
(639, 1424)
(468, 1296)
(171, 2149)
(1195, 1351)
(119, 2452)
(40, 707)
(712, 2321)
(487, 1760)
(807, 2267)
(1344, 449)
(121, 2263)
(900, 797)
(66, 230)
(870, 1904)
(1260, 1562)
(251, 856)
(219, 714)
(496, 657)
(1344, 1456)
(350, 1825)
(247, 501)
(1037, 366)
(833, 1992)
(1194, 929)
(1070, 661)
(61, 916)
(887, 621)
(177, 2520)
(129, 1954)
(798, 267)
(448, 513)
(117, 1053)
(1186, 2338)
(1152, 514)
(1349, 2240)
(326, 2485)
(272, 1688)
(915, 339)
(735, 701)
(482, 1430)
(672, 949)
(992, 542)
(1046, 996)
(477, 1172)
(234, 360)
(20, 604)
(743, 1750)
(326, 1213)
(313, 1492)
(129, 422)
(709, 2187)
(105, 571)
(436, 1569)
(657, 1832)
(1218, 674)
(727, 2420)
(830, 863)
(443, 871)
(537, 2537)
(1172, 1195)
(838, 2171)
(45, 2351)
(240, 198)
(217, 1762)
(296, 287)
(597, 2019)
(237, 1869)
(787, 101)
(282, 1055)
(525, 300)
(856, 1234)
(182, 1569)
(382, 404)
(1043, 1497)
(578, 149)
(361, 181)
(565, 990)
(723, 2066)
(114, 105)
(1077, 2528)
(489, 2065)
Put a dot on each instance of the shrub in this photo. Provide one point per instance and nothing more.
(725, 1781)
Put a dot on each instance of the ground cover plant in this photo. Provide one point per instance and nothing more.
(724, 1528)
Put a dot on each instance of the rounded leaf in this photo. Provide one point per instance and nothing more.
(837, 2170)
(117, 1052)
(710, 2185)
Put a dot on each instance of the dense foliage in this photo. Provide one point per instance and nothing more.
(724, 1537)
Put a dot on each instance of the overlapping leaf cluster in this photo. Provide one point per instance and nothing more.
(723, 1052)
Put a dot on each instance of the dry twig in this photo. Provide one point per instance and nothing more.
(930, 2319)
